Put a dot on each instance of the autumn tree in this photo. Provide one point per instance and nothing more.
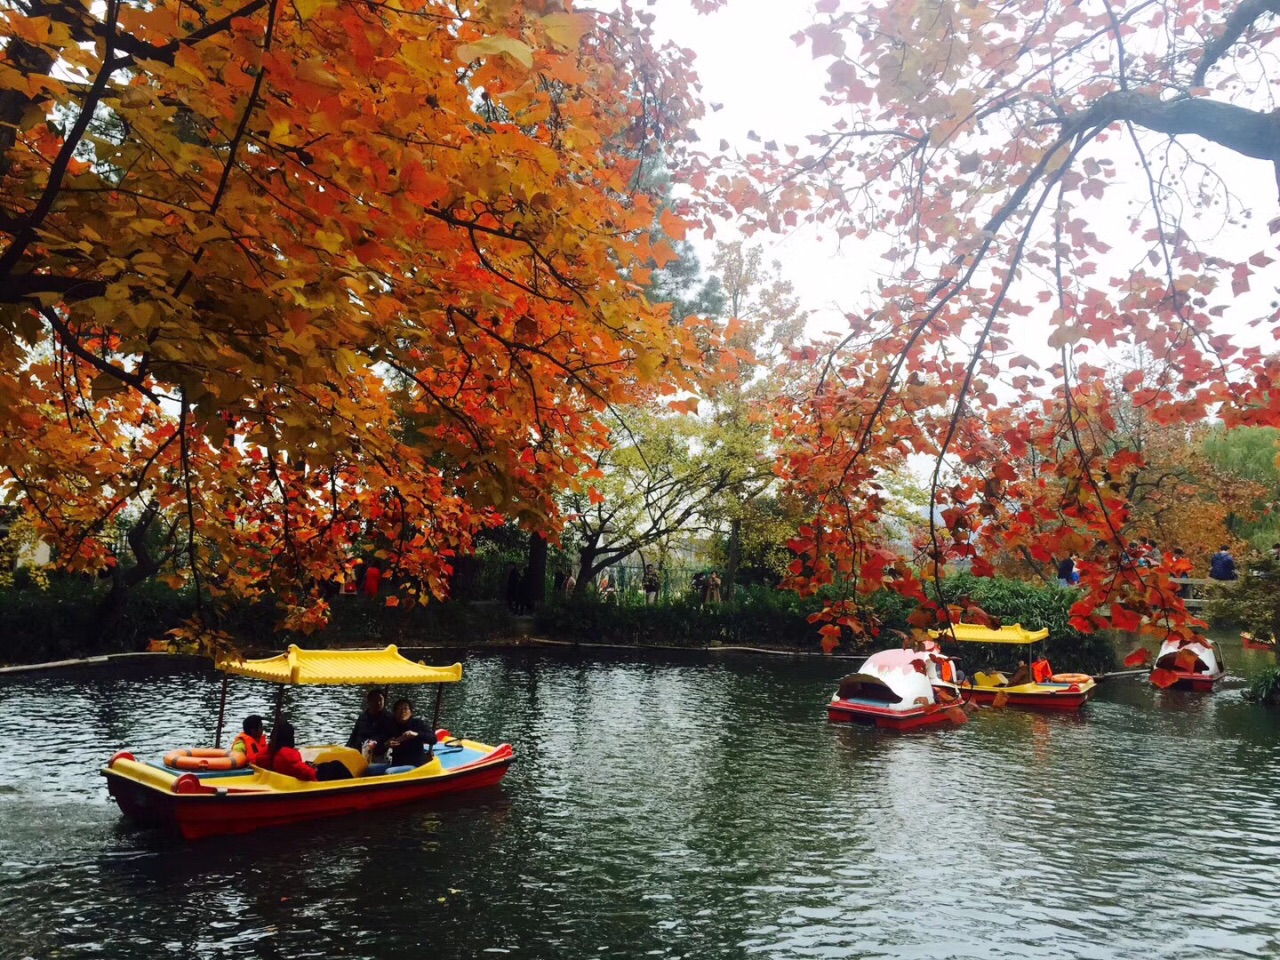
(1023, 167)
(223, 226)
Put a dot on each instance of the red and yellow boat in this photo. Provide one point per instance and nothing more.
(1250, 642)
(899, 690)
(1046, 690)
(238, 801)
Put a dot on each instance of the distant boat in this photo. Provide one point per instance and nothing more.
(1045, 690)
(1250, 642)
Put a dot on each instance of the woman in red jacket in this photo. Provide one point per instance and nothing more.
(283, 756)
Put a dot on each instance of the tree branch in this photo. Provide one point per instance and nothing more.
(1241, 19)
(1247, 132)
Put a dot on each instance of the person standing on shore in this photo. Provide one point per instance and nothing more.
(652, 582)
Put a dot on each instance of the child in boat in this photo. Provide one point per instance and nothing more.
(413, 737)
(251, 743)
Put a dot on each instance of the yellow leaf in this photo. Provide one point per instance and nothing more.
(105, 385)
(146, 226)
(332, 242)
(508, 46)
(211, 233)
(565, 29)
(307, 8)
(314, 71)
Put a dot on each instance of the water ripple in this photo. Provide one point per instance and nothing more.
(690, 808)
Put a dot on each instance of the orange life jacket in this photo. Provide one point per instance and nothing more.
(1041, 671)
(255, 750)
(945, 669)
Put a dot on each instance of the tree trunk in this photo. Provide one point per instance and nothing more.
(734, 558)
(110, 609)
(536, 583)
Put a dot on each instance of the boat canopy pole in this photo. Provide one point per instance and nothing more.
(435, 719)
(275, 720)
(222, 711)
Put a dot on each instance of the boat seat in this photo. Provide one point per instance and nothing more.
(990, 680)
(384, 770)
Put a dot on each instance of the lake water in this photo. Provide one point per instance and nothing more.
(684, 807)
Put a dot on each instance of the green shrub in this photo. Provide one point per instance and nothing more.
(1265, 687)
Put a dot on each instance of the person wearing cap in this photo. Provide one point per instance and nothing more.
(373, 725)
(251, 742)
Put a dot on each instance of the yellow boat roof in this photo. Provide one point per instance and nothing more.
(351, 667)
(972, 633)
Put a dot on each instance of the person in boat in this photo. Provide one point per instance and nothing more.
(251, 742)
(412, 737)
(1021, 675)
(374, 725)
(283, 757)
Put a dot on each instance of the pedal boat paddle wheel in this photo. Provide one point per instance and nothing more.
(1045, 691)
(1188, 665)
(203, 804)
(899, 690)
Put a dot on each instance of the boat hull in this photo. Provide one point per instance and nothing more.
(1064, 700)
(1201, 682)
(1257, 645)
(871, 715)
(199, 809)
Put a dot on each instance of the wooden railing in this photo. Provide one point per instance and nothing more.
(1198, 587)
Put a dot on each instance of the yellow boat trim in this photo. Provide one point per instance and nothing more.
(1042, 688)
(260, 780)
(972, 633)
(350, 667)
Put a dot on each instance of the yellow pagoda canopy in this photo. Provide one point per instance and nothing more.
(972, 633)
(350, 667)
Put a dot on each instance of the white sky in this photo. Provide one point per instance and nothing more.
(748, 62)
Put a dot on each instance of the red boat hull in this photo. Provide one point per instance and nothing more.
(842, 711)
(1202, 682)
(1257, 645)
(199, 815)
(1059, 702)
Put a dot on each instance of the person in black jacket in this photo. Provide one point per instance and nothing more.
(374, 723)
(412, 737)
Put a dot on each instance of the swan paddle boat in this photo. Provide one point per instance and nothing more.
(1188, 665)
(899, 690)
(1045, 690)
(215, 799)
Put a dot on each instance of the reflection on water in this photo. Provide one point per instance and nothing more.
(689, 808)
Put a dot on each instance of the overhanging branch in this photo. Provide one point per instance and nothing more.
(1247, 132)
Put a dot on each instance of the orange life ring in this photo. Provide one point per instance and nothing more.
(1070, 678)
(205, 759)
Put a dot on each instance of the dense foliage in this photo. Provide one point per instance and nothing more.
(282, 278)
(1028, 169)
